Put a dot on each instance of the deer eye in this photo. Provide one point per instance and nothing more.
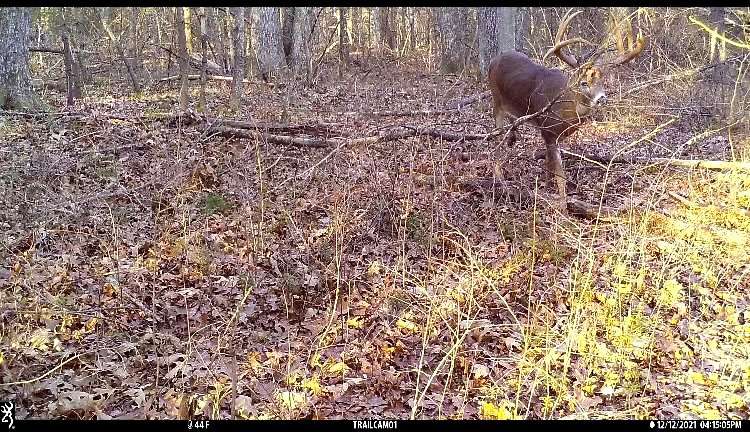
(584, 84)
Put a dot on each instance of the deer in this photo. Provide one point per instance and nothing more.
(555, 102)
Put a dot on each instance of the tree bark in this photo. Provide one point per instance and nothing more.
(287, 32)
(72, 79)
(204, 60)
(302, 43)
(15, 80)
(385, 24)
(495, 33)
(343, 41)
(184, 61)
(357, 28)
(135, 47)
(270, 48)
(187, 12)
(452, 23)
(238, 71)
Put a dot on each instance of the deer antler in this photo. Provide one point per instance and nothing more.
(635, 47)
(634, 50)
(568, 58)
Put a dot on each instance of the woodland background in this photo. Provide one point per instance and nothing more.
(293, 213)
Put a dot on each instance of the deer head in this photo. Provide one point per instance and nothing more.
(589, 72)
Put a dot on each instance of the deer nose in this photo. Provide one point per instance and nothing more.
(600, 100)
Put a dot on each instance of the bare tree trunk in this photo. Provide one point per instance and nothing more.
(287, 29)
(72, 78)
(204, 59)
(495, 33)
(226, 32)
(373, 35)
(412, 29)
(718, 53)
(188, 29)
(385, 25)
(270, 49)
(135, 15)
(452, 23)
(215, 39)
(72, 70)
(343, 42)
(357, 28)
(184, 62)
(162, 58)
(120, 51)
(302, 43)
(523, 25)
(238, 71)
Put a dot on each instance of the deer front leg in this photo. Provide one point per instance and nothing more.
(555, 171)
(501, 120)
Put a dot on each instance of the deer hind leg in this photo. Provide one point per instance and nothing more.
(555, 170)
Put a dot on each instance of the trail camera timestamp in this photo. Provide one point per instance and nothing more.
(697, 424)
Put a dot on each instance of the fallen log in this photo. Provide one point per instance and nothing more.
(389, 135)
(52, 50)
(411, 113)
(209, 77)
(458, 104)
(688, 163)
(318, 127)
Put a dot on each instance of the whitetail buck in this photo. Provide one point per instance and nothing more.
(558, 102)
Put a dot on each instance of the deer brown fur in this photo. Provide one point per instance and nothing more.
(559, 102)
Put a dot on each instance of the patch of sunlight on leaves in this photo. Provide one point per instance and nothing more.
(490, 411)
(2, 358)
(40, 340)
(355, 323)
(315, 361)
(548, 404)
(695, 377)
(375, 268)
(293, 379)
(731, 400)
(512, 267)
(253, 362)
(292, 400)
(313, 384)
(703, 410)
(610, 384)
(406, 323)
(151, 264)
(743, 198)
(589, 385)
(671, 292)
(336, 368)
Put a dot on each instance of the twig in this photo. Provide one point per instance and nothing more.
(45, 375)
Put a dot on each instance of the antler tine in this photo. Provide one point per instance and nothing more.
(567, 18)
(570, 59)
(633, 51)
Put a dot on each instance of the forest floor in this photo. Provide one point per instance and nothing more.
(152, 270)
